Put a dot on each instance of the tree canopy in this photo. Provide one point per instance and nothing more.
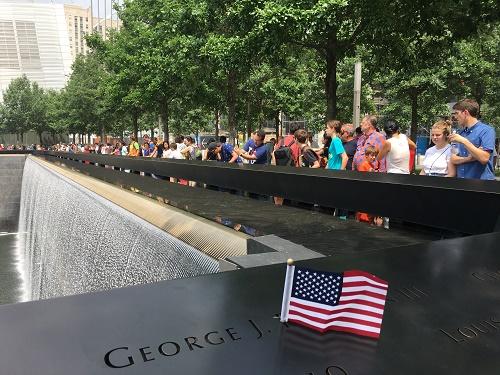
(189, 66)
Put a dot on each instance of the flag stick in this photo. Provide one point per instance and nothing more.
(287, 291)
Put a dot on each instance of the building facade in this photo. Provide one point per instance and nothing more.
(34, 41)
(79, 24)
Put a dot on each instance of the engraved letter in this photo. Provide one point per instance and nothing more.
(475, 274)
(220, 340)
(256, 328)
(108, 361)
(329, 370)
(233, 334)
(450, 336)
(460, 330)
(162, 352)
(145, 354)
(495, 320)
(489, 323)
(191, 341)
(479, 330)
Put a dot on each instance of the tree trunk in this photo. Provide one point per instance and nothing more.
(277, 124)
(164, 121)
(103, 136)
(479, 99)
(414, 114)
(231, 105)
(135, 124)
(217, 124)
(331, 83)
(40, 137)
(74, 138)
(249, 121)
(152, 133)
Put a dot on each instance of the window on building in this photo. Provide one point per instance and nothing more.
(8, 49)
(28, 44)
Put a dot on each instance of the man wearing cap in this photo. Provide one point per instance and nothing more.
(216, 151)
(213, 151)
(227, 154)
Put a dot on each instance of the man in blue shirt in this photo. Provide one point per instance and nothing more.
(476, 142)
(227, 154)
(255, 151)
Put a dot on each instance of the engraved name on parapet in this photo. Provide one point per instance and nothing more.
(406, 293)
(487, 275)
(473, 330)
(125, 356)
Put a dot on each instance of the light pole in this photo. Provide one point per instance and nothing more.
(105, 20)
(356, 111)
(91, 16)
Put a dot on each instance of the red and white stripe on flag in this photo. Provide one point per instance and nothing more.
(359, 309)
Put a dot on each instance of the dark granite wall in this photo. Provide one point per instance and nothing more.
(11, 174)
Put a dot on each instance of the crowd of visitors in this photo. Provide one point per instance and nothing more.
(465, 153)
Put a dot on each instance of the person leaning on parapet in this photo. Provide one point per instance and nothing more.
(396, 149)
(476, 142)
(349, 142)
(308, 158)
(437, 160)
(286, 153)
(370, 137)
(270, 144)
(227, 154)
(254, 150)
(189, 152)
(133, 147)
(214, 150)
(337, 157)
(180, 142)
(285, 158)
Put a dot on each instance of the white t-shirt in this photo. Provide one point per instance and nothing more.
(436, 161)
(398, 158)
(175, 154)
(181, 146)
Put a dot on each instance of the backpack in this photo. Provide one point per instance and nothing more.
(308, 157)
(283, 155)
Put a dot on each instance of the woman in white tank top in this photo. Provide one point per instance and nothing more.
(437, 158)
(396, 150)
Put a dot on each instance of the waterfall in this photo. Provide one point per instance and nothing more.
(76, 241)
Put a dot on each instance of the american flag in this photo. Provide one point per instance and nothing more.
(352, 301)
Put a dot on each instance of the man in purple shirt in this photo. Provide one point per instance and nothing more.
(370, 137)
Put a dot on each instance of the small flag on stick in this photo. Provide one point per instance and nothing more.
(351, 301)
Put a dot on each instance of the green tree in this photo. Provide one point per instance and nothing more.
(475, 68)
(17, 107)
(231, 49)
(331, 28)
(39, 111)
(393, 30)
(84, 96)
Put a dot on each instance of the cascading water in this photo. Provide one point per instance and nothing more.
(76, 241)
